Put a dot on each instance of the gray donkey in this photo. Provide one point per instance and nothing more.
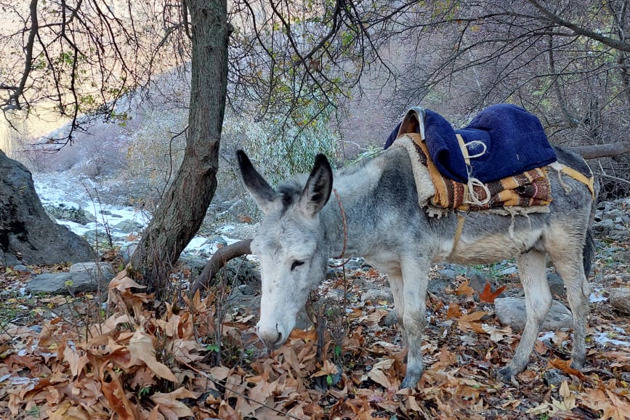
(375, 214)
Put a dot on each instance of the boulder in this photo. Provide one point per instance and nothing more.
(27, 234)
(511, 311)
(82, 277)
(72, 213)
(620, 299)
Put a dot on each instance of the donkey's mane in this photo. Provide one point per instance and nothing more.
(290, 191)
(357, 166)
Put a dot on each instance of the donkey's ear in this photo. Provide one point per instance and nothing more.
(255, 184)
(318, 187)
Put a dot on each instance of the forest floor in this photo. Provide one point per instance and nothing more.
(82, 357)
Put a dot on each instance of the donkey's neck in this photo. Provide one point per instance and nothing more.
(355, 190)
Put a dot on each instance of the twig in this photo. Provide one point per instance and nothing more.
(249, 399)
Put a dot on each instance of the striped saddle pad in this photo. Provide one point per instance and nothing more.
(528, 189)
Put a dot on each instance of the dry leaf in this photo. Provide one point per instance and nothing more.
(329, 368)
(487, 295)
(298, 334)
(454, 311)
(141, 349)
(115, 394)
(464, 289)
(471, 322)
(499, 334)
(170, 407)
(76, 361)
(565, 366)
(378, 375)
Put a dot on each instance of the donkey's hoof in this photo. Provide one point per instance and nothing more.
(409, 383)
(505, 375)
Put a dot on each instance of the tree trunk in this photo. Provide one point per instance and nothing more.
(184, 206)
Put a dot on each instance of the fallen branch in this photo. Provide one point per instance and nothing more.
(218, 260)
(602, 150)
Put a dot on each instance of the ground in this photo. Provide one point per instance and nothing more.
(78, 357)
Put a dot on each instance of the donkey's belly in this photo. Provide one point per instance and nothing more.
(494, 247)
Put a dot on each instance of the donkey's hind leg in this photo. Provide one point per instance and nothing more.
(566, 254)
(532, 270)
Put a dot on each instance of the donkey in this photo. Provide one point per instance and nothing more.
(375, 214)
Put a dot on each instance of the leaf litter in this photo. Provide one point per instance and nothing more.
(128, 363)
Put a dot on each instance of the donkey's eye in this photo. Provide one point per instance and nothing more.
(296, 263)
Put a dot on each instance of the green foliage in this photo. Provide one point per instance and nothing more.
(285, 145)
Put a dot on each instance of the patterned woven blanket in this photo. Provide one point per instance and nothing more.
(530, 189)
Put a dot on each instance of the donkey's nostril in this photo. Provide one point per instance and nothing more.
(272, 338)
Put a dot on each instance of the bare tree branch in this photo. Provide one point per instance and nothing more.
(611, 42)
(218, 260)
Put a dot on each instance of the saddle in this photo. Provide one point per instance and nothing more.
(501, 141)
(525, 188)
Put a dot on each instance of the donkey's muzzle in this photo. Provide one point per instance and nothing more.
(272, 337)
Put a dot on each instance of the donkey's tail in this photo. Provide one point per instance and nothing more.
(588, 252)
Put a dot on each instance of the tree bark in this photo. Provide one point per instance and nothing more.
(602, 150)
(184, 206)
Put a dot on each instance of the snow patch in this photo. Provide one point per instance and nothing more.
(597, 296)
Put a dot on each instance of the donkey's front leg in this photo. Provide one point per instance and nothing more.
(415, 272)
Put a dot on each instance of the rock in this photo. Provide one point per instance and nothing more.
(102, 271)
(53, 283)
(354, 264)
(620, 299)
(376, 295)
(82, 277)
(508, 271)
(438, 286)
(238, 230)
(448, 273)
(511, 311)
(194, 262)
(127, 251)
(26, 232)
(72, 214)
(218, 240)
(477, 280)
(556, 285)
(391, 318)
(129, 226)
(554, 377)
(21, 268)
(242, 271)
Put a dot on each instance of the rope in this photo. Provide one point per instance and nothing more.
(472, 196)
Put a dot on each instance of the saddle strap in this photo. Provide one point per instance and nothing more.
(578, 176)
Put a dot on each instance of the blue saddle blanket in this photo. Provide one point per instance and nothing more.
(506, 140)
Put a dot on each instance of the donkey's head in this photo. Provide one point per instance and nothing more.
(289, 244)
